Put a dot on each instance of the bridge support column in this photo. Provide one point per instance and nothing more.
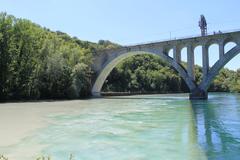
(190, 62)
(198, 94)
(221, 50)
(176, 54)
(96, 94)
(205, 61)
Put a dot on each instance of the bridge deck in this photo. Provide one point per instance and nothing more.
(196, 39)
(187, 38)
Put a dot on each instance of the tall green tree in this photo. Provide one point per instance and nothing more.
(7, 47)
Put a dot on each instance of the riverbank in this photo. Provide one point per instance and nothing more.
(103, 95)
(134, 93)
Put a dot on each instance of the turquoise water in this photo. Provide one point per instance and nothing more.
(168, 127)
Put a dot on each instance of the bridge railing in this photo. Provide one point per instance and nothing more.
(184, 37)
(173, 39)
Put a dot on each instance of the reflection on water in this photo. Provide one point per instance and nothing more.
(143, 127)
(218, 126)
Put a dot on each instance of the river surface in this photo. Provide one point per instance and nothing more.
(146, 127)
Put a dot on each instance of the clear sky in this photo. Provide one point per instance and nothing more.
(129, 21)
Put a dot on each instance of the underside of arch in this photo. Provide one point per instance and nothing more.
(110, 64)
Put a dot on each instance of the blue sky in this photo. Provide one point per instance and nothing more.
(129, 21)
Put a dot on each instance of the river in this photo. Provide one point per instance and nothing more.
(145, 127)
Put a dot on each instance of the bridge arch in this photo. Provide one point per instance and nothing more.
(183, 52)
(213, 53)
(229, 40)
(115, 59)
(197, 50)
(170, 53)
(229, 45)
(212, 42)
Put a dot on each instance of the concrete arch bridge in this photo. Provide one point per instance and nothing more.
(106, 60)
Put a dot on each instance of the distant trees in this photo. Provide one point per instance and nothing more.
(226, 81)
(107, 44)
(144, 73)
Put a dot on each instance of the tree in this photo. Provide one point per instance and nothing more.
(81, 85)
(55, 78)
(7, 47)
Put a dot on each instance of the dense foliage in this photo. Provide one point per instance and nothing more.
(226, 81)
(37, 63)
(144, 73)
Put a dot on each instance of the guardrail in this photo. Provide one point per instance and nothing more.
(185, 37)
